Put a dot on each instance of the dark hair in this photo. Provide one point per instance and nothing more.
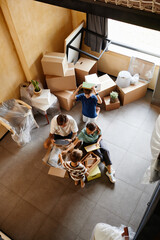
(92, 126)
(87, 91)
(61, 119)
(75, 155)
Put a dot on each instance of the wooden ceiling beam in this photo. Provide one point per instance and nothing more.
(119, 13)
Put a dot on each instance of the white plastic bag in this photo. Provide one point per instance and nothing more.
(103, 231)
(123, 79)
(135, 79)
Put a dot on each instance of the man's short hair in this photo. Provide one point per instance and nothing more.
(62, 119)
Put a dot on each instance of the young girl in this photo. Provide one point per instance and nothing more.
(92, 134)
(76, 169)
(89, 101)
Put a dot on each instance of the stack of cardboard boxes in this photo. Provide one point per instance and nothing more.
(60, 77)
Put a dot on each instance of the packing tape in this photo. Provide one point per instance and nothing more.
(53, 56)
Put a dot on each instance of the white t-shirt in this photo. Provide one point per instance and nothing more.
(71, 126)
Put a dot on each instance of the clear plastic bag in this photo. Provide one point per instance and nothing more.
(144, 68)
(19, 119)
(54, 157)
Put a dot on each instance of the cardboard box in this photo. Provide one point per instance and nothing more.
(95, 173)
(59, 172)
(54, 64)
(107, 85)
(111, 106)
(90, 161)
(64, 98)
(83, 67)
(93, 78)
(68, 82)
(132, 93)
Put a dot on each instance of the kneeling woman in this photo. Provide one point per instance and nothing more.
(92, 134)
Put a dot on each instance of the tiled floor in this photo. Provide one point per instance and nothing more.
(35, 205)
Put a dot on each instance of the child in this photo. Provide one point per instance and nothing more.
(92, 134)
(89, 101)
(76, 169)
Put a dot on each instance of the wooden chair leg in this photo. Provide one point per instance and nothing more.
(47, 118)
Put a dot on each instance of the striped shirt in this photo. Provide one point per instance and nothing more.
(77, 172)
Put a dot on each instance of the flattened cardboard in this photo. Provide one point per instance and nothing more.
(58, 172)
(64, 98)
(95, 173)
(54, 63)
(58, 83)
(111, 106)
(107, 85)
(83, 67)
(132, 93)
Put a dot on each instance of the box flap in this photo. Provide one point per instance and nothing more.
(85, 64)
(46, 157)
(57, 57)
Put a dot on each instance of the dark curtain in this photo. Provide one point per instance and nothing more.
(98, 25)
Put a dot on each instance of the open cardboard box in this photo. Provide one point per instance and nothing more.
(58, 172)
(107, 85)
(110, 106)
(90, 161)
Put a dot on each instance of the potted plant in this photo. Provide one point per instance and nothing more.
(113, 97)
(37, 89)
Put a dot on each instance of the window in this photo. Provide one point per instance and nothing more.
(136, 37)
